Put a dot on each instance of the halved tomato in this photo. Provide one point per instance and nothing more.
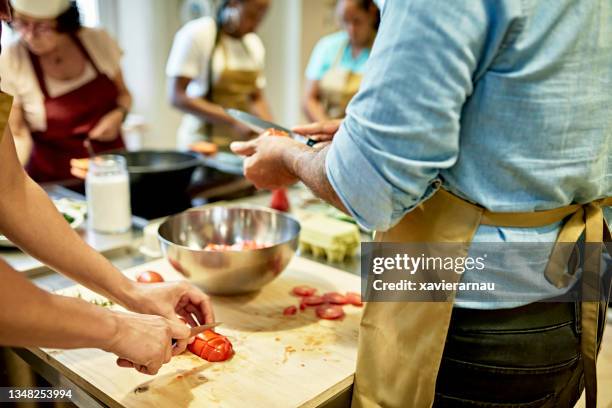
(335, 298)
(330, 312)
(354, 299)
(304, 291)
(149, 277)
(212, 346)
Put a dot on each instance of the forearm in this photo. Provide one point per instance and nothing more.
(30, 220)
(124, 100)
(309, 166)
(24, 146)
(47, 236)
(314, 110)
(42, 319)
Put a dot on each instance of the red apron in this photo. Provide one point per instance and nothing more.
(70, 118)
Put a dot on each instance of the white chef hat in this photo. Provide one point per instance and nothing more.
(41, 8)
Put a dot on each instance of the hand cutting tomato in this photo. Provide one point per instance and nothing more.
(149, 277)
(212, 346)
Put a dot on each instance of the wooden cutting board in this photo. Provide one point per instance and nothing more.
(280, 361)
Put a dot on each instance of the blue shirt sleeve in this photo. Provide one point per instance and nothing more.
(402, 128)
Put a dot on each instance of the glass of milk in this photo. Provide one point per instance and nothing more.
(107, 188)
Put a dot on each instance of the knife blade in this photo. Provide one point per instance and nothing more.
(259, 125)
(194, 331)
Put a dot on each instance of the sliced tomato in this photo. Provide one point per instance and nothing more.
(290, 311)
(304, 291)
(212, 346)
(330, 312)
(354, 299)
(335, 298)
(303, 305)
(149, 277)
(313, 300)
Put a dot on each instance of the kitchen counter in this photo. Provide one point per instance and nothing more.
(125, 254)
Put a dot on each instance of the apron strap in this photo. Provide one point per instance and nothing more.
(86, 53)
(40, 76)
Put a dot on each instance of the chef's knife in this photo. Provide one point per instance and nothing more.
(199, 329)
(258, 125)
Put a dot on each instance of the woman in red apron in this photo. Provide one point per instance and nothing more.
(90, 111)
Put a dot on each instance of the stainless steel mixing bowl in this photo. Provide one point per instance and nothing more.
(184, 236)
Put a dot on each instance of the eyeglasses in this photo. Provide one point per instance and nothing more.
(35, 28)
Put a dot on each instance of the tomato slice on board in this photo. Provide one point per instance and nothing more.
(330, 312)
(313, 300)
(335, 298)
(212, 346)
(149, 277)
(354, 299)
(303, 291)
(290, 311)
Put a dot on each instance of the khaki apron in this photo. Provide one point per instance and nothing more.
(337, 88)
(234, 89)
(401, 343)
(6, 103)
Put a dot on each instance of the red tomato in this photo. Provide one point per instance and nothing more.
(303, 291)
(354, 299)
(290, 311)
(149, 277)
(313, 300)
(302, 305)
(212, 346)
(330, 312)
(335, 298)
(280, 201)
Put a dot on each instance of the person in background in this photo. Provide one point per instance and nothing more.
(338, 60)
(32, 317)
(68, 88)
(217, 64)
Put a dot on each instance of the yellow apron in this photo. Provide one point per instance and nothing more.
(401, 343)
(234, 89)
(337, 88)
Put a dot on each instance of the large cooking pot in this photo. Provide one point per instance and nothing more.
(159, 181)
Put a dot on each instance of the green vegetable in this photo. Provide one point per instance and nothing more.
(68, 218)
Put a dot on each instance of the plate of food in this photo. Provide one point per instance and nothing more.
(73, 212)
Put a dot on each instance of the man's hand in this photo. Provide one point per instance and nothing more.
(170, 300)
(269, 160)
(108, 128)
(320, 131)
(144, 342)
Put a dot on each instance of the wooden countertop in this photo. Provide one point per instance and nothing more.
(280, 361)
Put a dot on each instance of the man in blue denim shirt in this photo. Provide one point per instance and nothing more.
(507, 103)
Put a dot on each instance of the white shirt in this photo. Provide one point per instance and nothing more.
(192, 49)
(19, 78)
